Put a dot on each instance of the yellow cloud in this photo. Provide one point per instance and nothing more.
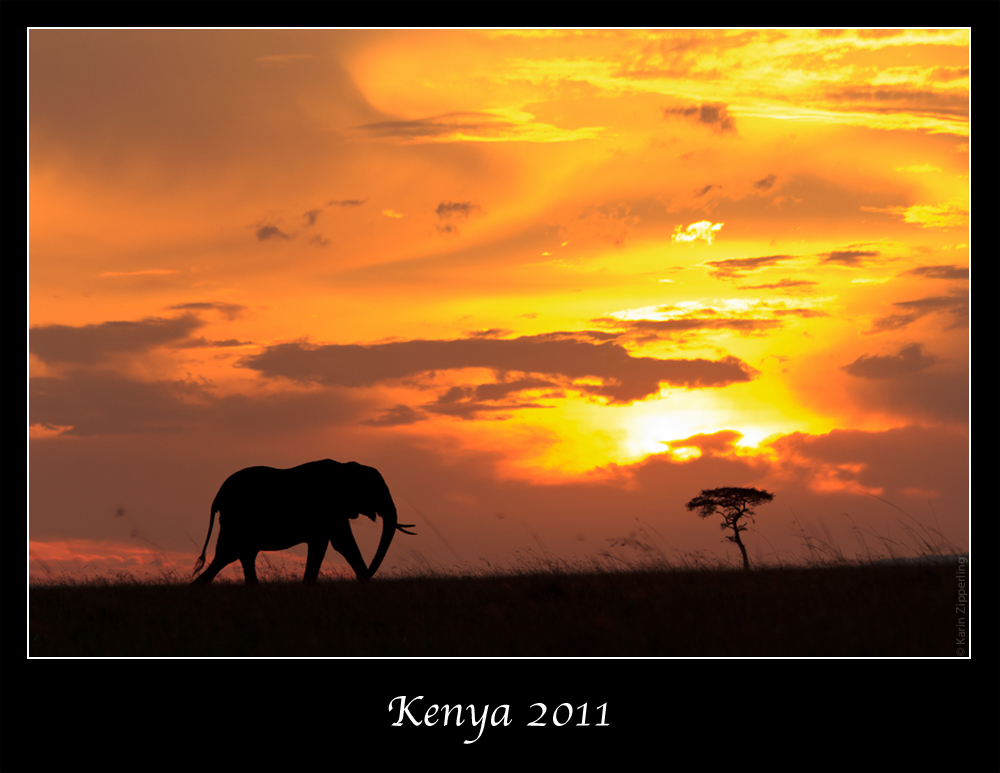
(703, 229)
(949, 215)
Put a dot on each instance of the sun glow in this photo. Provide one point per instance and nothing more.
(680, 414)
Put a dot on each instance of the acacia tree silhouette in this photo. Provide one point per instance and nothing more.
(733, 504)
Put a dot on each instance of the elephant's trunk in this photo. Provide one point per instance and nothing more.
(389, 523)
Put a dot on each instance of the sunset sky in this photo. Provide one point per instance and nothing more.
(551, 283)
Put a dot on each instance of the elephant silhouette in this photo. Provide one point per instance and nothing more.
(263, 508)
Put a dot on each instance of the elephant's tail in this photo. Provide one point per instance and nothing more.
(211, 523)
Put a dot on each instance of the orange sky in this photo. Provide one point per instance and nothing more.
(551, 283)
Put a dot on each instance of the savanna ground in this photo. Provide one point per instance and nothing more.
(906, 607)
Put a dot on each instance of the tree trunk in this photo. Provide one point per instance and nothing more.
(743, 550)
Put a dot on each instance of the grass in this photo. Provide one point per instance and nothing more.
(895, 598)
(836, 610)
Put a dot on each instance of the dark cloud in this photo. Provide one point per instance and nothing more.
(286, 414)
(902, 99)
(949, 271)
(909, 360)
(396, 416)
(313, 215)
(938, 395)
(492, 332)
(201, 341)
(468, 402)
(451, 209)
(100, 402)
(467, 408)
(713, 114)
(848, 257)
(501, 389)
(448, 209)
(933, 303)
(319, 241)
(784, 284)
(593, 335)
(270, 232)
(626, 378)
(765, 183)
(893, 322)
(687, 324)
(440, 125)
(228, 310)
(717, 114)
(956, 306)
(737, 267)
(705, 190)
(768, 318)
(934, 458)
(91, 343)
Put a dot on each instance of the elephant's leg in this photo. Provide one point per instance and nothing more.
(249, 561)
(314, 560)
(344, 543)
(225, 554)
(220, 562)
